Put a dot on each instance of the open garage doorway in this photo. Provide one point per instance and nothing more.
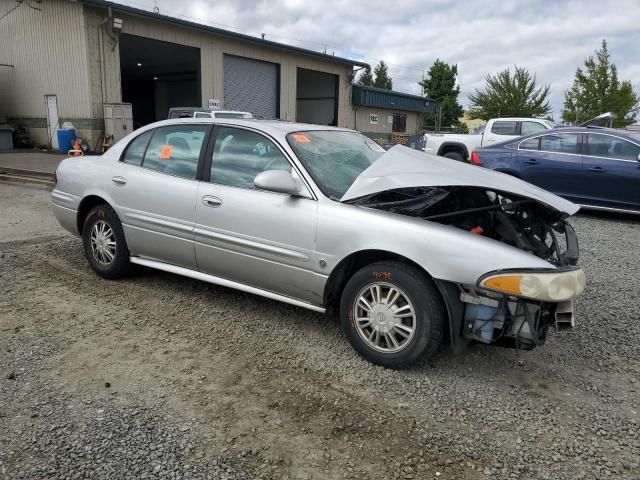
(158, 75)
(317, 97)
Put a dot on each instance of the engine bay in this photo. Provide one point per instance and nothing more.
(508, 218)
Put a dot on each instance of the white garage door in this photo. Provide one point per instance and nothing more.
(251, 86)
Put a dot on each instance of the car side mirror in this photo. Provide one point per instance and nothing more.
(279, 181)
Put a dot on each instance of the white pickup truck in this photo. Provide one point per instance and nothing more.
(460, 146)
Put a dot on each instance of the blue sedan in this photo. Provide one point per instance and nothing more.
(597, 168)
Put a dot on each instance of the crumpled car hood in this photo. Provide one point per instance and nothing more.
(402, 167)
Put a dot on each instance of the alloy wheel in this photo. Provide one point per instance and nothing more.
(384, 317)
(103, 243)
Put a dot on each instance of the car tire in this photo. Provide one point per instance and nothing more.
(104, 244)
(455, 156)
(418, 308)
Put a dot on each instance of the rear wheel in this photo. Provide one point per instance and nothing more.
(104, 244)
(392, 314)
(455, 156)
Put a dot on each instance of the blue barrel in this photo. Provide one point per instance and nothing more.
(66, 139)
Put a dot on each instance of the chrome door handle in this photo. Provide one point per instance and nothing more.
(597, 169)
(119, 181)
(211, 201)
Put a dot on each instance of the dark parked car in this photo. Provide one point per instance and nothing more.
(597, 168)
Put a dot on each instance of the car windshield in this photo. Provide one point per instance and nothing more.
(334, 158)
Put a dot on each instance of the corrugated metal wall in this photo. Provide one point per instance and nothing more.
(378, 98)
(63, 50)
(212, 51)
(49, 54)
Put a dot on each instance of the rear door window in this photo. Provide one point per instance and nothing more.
(560, 143)
(175, 150)
(531, 144)
(504, 128)
(135, 150)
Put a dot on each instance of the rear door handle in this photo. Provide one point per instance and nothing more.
(119, 181)
(597, 169)
(531, 161)
(211, 201)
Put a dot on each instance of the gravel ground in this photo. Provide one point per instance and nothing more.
(158, 376)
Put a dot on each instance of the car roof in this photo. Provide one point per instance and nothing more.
(626, 134)
(609, 131)
(279, 127)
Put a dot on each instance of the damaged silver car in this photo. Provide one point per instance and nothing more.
(413, 251)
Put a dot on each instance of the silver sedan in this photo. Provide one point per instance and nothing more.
(411, 250)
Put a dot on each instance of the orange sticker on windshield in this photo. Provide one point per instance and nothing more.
(301, 138)
(165, 152)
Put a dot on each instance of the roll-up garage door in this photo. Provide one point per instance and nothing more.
(251, 86)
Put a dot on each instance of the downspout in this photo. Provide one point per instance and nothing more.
(103, 73)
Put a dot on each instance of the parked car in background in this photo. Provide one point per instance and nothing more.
(598, 168)
(195, 112)
(412, 251)
(460, 146)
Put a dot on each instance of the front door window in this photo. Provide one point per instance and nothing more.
(240, 155)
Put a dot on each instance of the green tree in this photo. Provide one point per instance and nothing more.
(459, 127)
(440, 85)
(366, 78)
(597, 89)
(507, 95)
(383, 80)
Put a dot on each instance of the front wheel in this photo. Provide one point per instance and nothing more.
(392, 314)
(104, 244)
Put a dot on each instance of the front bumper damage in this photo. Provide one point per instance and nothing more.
(510, 321)
(479, 314)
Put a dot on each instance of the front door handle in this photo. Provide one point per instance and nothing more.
(119, 181)
(597, 169)
(531, 161)
(211, 201)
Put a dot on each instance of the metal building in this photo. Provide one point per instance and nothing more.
(63, 60)
(381, 113)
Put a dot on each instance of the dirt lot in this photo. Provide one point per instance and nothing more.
(158, 376)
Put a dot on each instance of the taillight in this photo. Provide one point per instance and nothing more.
(475, 159)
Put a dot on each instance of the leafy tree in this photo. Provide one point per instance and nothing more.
(596, 90)
(366, 78)
(440, 85)
(507, 95)
(383, 80)
(459, 127)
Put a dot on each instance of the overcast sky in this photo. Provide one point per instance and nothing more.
(549, 37)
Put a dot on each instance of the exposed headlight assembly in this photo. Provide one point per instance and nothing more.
(554, 286)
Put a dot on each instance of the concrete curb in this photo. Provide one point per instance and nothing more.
(18, 175)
